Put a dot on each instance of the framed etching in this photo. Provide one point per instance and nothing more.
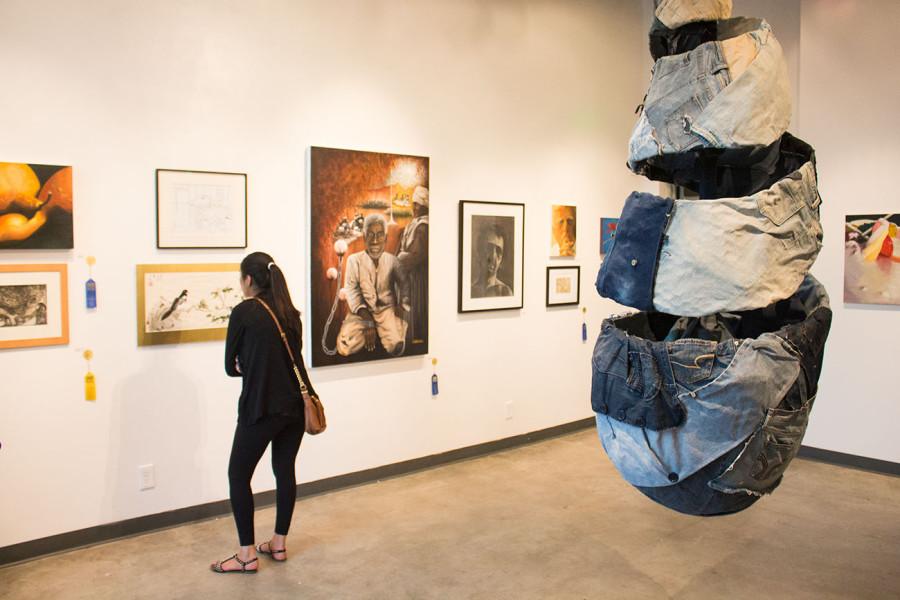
(369, 223)
(35, 207)
(563, 286)
(491, 256)
(185, 303)
(200, 209)
(34, 306)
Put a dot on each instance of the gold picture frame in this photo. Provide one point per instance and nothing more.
(198, 313)
(34, 305)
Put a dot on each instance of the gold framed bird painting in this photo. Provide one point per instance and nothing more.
(180, 303)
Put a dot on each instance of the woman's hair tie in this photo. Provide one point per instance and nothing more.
(270, 265)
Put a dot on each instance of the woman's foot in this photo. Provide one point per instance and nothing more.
(274, 548)
(244, 561)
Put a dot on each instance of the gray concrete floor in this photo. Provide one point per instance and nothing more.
(549, 520)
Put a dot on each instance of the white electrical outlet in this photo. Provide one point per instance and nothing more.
(509, 407)
(147, 477)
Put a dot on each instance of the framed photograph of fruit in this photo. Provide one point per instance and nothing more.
(185, 303)
(34, 306)
(563, 286)
(35, 207)
(872, 259)
(200, 209)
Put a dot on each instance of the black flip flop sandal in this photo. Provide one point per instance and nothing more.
(217, 568)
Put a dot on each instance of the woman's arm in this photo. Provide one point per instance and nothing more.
(233, 342)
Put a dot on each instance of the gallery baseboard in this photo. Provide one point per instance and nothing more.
(103, 533)
(885, 467)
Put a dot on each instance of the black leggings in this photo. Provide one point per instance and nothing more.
(250, 442)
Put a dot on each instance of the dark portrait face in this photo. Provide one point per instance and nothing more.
(491, 253)
(375, 239)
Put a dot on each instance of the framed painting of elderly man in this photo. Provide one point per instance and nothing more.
(369, 256)
(491, 255)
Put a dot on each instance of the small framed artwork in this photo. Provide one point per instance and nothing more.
(491, 255)
(563, 228)
(872, 259)
(200, 209)
(35, 207)
(608, 228)
(185, 303)
(34, 306)
(563, 286)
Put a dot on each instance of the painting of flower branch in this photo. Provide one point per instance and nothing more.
(185, 303)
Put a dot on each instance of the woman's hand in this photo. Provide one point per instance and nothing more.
(237, 365)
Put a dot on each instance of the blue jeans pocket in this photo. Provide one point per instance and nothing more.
(767, 453)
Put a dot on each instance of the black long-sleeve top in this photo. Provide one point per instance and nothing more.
(269, 384)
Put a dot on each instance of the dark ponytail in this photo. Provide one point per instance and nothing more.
(269, 279)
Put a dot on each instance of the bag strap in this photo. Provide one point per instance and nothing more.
(287, 346)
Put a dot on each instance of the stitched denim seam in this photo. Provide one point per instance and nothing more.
(720, 375)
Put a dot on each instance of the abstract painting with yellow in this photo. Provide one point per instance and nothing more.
(35, 206)
(563, 229)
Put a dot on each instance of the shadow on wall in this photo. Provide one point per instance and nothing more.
(156, 419)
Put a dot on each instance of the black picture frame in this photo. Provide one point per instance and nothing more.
(235, 183)
(493, 214)
(577, 272)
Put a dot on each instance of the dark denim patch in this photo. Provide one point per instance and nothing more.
(630, 383)
(629, 270)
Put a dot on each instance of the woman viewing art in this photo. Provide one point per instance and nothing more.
(270, 408)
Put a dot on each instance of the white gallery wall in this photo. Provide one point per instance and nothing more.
(513, 100)
(849, 92)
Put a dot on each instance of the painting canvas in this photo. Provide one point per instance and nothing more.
(872, 259)
(563, 230)
(35, 206)
(33, 305)
(368, 256)
(491, 256)
(199, 209)
(608, 228)
(563, 286)
(185, 303)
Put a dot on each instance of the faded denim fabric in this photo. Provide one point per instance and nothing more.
(675, 13)
(724, 94)
(716, 255)
(785, 341)
(720, 414)
(737, 254)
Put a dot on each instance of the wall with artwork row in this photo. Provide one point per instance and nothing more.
(517, 102)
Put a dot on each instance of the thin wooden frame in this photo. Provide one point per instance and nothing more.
(577, 270)
(63, 338)
(237, 183)
(461, 299)
(153, 338)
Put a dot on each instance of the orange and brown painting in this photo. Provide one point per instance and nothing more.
(369, 255)
(35, 206)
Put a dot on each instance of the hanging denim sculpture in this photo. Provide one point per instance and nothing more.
(702, 401)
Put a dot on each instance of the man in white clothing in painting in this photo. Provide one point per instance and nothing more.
(376, 293)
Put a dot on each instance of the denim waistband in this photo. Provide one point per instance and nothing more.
(665, 408)
(700, 99)
(733, 172)
(697, 257)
